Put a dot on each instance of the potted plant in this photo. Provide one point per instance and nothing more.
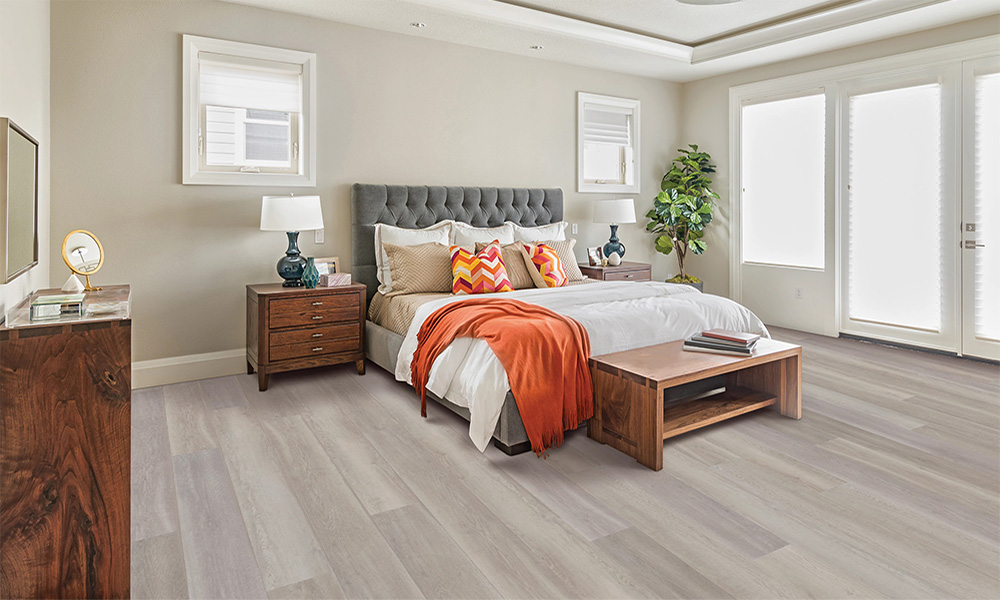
(683, 208)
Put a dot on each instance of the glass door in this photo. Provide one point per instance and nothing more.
(980, 243)
(899, 198)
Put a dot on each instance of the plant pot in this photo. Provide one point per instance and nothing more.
(698, 286)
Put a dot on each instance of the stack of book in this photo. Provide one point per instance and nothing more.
(722, 341)
(57, 306)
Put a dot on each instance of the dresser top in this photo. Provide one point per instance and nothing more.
(267, 289)
(110, 303)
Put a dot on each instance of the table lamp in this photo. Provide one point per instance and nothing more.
(614, 212)
(291, 214)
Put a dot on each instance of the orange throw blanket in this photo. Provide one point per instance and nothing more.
(545, 355)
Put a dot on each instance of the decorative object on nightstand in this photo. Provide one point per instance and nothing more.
(84, 255)
(626, 271)
(594, 256)
(614, 212)
(291, 214)
(683, 208)
(310, 275)
(298, 328)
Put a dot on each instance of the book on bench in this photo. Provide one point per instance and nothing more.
(719, 341)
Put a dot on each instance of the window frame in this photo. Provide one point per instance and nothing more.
(194, 171)
(583, 186)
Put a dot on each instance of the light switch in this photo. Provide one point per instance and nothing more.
(574, 228)
(319, 236)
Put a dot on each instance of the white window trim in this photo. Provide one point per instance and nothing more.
(832, 79)
(582, 186)
(191, 117)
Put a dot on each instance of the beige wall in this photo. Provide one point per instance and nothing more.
(24, 98)
(706, 122)
(392, 109)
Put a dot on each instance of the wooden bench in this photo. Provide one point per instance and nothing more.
(631, 415)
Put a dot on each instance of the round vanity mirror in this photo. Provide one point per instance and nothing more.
(83, 254)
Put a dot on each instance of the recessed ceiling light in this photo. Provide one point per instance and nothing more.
(418, 24)
(537, 47)
(707, 2)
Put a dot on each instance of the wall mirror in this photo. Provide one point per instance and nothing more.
(18, 201)
(607, 144)
(83, 254)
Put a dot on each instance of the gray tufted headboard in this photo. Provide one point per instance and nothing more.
(416, 207)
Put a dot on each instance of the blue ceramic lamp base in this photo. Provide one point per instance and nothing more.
(292, 264)
(614, 244)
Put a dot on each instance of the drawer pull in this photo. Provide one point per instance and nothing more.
(317, 317)
(317, 335)
(317, 349)
(317, 304)
(630, 276)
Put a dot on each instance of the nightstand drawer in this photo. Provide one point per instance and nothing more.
(317, 348)
(627, 276)
(314, 334)
(316, 310)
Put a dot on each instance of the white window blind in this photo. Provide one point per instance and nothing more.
(783, 181)
(894, 207)
(607, 145)
(987, 219)
(239, 82)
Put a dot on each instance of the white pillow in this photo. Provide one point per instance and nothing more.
(467, 236)
(545, 233)
(439, 233)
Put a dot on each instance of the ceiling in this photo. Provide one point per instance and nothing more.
(665, 39)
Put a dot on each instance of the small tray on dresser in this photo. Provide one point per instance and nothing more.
(298, 328)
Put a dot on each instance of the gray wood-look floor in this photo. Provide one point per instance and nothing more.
(330, 485)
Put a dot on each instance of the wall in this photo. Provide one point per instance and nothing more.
(24, 98)
(393, 109)
(705, 103)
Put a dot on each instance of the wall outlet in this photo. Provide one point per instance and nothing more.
(319, 236)
(574, 228)
(798, 294)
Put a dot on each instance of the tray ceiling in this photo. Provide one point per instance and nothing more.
(664, 39)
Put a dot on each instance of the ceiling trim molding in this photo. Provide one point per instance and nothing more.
(529, 18)
(805, 26)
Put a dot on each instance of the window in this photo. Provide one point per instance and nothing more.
(895, 206)
(783, 180)
(248, 117)
(608, 144)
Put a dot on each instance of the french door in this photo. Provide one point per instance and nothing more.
(921, 208)
(980, 246)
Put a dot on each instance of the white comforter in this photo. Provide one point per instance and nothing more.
(617, 315)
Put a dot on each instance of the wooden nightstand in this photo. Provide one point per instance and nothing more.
(627, 271)
(297, 328)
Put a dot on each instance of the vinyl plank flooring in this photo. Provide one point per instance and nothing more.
(364, 563)
(154, 502)
(218, 558)
(330, 485)
(188, 423)
(440, 568)
(283, 541)
(158, 571)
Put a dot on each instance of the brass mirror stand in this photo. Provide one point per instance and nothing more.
(75, 247)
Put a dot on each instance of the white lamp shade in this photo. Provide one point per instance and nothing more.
(291, 213)
(619, 210)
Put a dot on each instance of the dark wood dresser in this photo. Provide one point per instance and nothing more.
(627, 271)
(297, 328)
(65, 435)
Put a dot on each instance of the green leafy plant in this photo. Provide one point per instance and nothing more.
(683, 208)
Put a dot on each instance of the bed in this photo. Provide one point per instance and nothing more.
(659, 311)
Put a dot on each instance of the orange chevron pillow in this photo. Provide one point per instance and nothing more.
(480, 273)
(544, 265)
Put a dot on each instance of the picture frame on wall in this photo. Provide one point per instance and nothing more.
(328, 266)
(594, 256)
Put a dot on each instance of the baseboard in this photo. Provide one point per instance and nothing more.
(161, 371)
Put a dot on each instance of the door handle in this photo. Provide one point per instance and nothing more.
(972, 245)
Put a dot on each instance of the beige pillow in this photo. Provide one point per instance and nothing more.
(513, 262)
(421, 268)
(439, 233)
